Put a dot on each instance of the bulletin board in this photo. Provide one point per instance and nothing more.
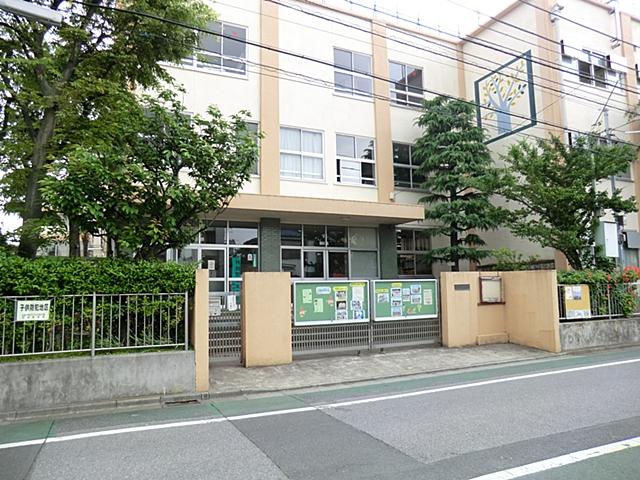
(404, 299)
(330, 302)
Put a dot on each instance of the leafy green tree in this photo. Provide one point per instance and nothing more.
(60, 86)
(150, 195)
(459, 179)
(551, 187)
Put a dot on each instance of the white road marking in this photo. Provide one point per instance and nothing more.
(103, 433)
(561, 461)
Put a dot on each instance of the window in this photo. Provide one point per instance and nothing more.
(355, 160)
(595, 69)
(405, 169)
(411, 245)
(353, 73)
(227, 249)
(301, 154)
(321, 251)
(225, 52)
(406, 86)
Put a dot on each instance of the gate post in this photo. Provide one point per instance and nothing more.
(200, 331)
(266, 319)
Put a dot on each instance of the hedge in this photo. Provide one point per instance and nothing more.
(66, 276)
(615, 288)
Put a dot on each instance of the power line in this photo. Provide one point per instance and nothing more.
(571, 72)
(595, 30)
(321, 62)
(578, 99)
(524, 30)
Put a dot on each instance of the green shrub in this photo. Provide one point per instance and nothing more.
(60, 276)
(614, 288)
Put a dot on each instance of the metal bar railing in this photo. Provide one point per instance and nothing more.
(95, 322)
(606, 301)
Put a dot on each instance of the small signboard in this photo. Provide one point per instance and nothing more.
(404, 299)
(491, 289)
(32, 310)
(330, 302)
(577, 301)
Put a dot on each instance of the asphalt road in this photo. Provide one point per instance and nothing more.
(555, 419)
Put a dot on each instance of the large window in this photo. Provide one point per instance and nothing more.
(321, 251)
(405, 169)
(355, 160)
(406, 86)
(301, 154)
(353, 73)
(225, 52)
(595, 69)
(411, 245)
(227, 249)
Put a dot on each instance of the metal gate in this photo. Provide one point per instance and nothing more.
(370, 335)
(225, 334)
(315, 339)
(224, 331)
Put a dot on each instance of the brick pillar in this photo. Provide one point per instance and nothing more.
(269, 244)
(388, 251)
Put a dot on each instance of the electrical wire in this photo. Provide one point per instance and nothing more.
(591, 29)
(458, 60)
(323, 62)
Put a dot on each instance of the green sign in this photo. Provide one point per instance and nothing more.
(322, 303)
(404, 299)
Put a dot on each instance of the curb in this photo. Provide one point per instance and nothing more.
(214, 396)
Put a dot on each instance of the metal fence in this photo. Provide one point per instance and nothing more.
(607, 301)
(96, 322)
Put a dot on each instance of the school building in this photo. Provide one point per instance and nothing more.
(336, 87)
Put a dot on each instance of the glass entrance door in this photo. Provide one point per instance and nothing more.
(214, 260)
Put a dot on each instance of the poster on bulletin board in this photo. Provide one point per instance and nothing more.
(404, 299)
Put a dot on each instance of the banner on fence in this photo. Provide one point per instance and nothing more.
(404, 299)
(32, 310)
(577, 301)
(329, 302)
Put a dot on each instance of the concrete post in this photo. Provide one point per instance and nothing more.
(269, 244)
(200, 330)
(388, 251)
(266, 319)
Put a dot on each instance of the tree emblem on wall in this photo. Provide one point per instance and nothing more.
(498, 92)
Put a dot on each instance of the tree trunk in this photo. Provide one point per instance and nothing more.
(85, 244)
(74, 239)
(109, 247)
(453, 238)
(30, 236)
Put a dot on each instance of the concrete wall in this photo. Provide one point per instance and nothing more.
(599, 333)
(33, 385)
(266, 319)
(528, 316)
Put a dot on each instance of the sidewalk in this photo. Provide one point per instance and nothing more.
(236, 380)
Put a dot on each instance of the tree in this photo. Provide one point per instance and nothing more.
(553, 189)
(459, 179)
(150, 194)
(59, 85)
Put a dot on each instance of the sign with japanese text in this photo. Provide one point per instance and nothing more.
(32, 310)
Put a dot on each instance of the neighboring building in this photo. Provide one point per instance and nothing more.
(335, 194)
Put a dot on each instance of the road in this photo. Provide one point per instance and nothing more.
(570, 417)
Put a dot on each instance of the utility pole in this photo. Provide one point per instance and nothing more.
(619, 219)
